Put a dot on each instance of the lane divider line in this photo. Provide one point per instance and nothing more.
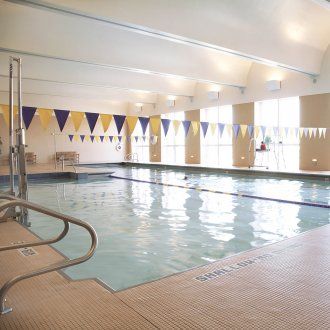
(279, 200)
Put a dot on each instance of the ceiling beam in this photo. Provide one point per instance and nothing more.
(159, 34)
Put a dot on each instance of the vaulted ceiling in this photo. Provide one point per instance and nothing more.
(134, 50)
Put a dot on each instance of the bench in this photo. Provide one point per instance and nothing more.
(31, 157)
(70, 156)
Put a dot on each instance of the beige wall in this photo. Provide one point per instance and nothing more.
(315, 112)
(242, 114)
(193, 142)
(41, 141)
(155, 150)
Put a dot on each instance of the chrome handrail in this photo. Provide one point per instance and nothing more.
(57, 266)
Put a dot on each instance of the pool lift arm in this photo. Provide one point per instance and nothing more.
(17, 152)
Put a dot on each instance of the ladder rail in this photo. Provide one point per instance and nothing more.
(53, 267)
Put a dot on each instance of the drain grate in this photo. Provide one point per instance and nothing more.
(28, 252)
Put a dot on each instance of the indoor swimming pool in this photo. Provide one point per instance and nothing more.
(148, 231)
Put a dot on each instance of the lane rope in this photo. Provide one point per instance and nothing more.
(238, 194)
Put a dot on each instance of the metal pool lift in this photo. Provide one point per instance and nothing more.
(17, 152)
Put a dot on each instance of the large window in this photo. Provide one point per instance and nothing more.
(280, 120)
(140, 143)
(216, 148)
(173, 145)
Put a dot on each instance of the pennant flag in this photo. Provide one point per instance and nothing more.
(106, 138)
(45, 116)
(186, 126)
(76, 138)
(119, 121)
(97, 138)
(236, 130)
(110, 138)
(153, 139)
(301, 132)
(119, 138)
(250, 129)
(275, 130)
(5, 112)
(28, 114)
(314, 129)
(144, 138)
(229, 128)
(195, 127)
(263, 131)
(136, 138)
(205, 126)
(92, 119)
(102, 138)
(282, 132)
(82, 138)
(92, 138)
(256, 131)
(87, 138)
(176, 125)
(77, 118)
(155, 124)
(144, 121)
(131, 123)
(213, 127)
(305, 132)
(166, 125)
(70, 137)
(296, 131)
(286, 130)
(322, 132)
(105, 120)
(243, 130)
(61, 117)
(221, 127)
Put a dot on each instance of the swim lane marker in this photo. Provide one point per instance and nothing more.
(279, 200)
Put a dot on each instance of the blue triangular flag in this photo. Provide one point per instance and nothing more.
(205, 126)
(144, 121)
(91, 119)
(119, 121)
(221, 128)
(186, 126)
(28, 114)
(61, 117)
(166, 125)
(70, 137)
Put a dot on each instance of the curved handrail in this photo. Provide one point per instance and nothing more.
(131, 157)
(53, 267)
(37, 243)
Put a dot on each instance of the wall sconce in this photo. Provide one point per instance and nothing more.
(314, 161)
(213, 95)
(138, 107)
(192, 156)
(273, 85)
(242, 157)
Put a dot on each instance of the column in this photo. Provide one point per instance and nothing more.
(243, 114)
(315, 151)
(193, 142)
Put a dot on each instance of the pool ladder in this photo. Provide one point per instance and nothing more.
(8, 202)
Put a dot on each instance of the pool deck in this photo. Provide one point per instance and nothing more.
(280, 286)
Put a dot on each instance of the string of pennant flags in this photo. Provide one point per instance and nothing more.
(155, 123)
(111, 138)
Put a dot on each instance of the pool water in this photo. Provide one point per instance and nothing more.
(148, 231)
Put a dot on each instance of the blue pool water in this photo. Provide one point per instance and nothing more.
(148, 231)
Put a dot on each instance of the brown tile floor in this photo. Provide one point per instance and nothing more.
(281, 286)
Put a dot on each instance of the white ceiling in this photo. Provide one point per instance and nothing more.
(219, 40)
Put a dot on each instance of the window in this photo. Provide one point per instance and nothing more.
(173, 145)
(281, 117)
(216, 150)
(140, 143)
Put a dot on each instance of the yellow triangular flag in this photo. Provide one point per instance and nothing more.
(256, 131)
(243, 130)
(106, 138)
(97, 138)
(76, 138)
(5, 112)
(105, 120)
(310, 131)
(176, 125)
(229, 128)
(131, 122)
(213, 127)
(115, 138)
(77, 118)
(301, 132)
(195, 127)
(45, 116)
(154, 124)
(324, 132)
(87, 138)
(123, 138)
